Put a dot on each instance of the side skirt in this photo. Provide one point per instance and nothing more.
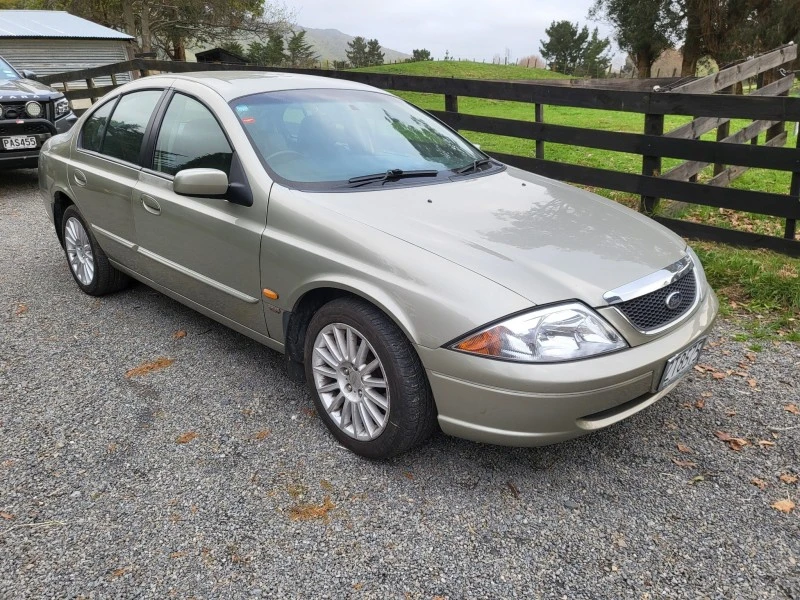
(259, 337)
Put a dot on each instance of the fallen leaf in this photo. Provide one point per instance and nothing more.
(187, 437)
(178, 554)
(751, 356)
(120, 572)
(684, 463)
(707, 394)
(261, 435)
(21, 310)
(758, 482)
(358, 586)
(684, 449)
(734, 443)
(149, 367)
(513, 489)
(792, 408)
(763, 443)
(408, 475)
(731, 413)
(700, 404)
(699, 368)
(785, 506)
(788, 478)
(752, 383)
(696, 479)
(178, 335)
(325, 485)
(308, 512)
(740, 374)
(6, 516)
(719, 375)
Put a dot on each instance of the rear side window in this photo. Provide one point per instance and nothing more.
(125, 131)
(190, 138)
(95, 127)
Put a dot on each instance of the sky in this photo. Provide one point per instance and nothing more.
(469, 29)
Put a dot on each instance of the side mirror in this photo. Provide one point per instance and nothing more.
(28, 74)
(200, 182)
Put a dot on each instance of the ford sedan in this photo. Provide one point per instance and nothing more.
(412, 280)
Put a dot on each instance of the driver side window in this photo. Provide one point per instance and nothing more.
(190, 137)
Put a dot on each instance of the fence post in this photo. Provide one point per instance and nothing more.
(794, 195)
(651, 165)
(451, 104)
(539, 117)
(90, 85)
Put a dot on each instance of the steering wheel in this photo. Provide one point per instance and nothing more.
(283, 153)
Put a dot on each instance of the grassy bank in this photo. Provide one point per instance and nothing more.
(759, 288)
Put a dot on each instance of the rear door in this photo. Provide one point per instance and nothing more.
(105, 170)
(205, 249)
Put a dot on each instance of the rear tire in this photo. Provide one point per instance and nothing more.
(87, 262)
(367, 382)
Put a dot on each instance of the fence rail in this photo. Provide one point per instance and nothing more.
(767, 108)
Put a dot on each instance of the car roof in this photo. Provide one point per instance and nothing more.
(235, 84)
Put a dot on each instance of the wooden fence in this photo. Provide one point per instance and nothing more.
(708, 101)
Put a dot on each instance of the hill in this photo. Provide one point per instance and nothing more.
(464, 69)
(331, 45)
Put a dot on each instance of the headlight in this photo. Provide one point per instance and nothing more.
(62, 107)
(34, 110)
(545, 335)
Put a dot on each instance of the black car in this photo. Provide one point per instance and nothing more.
(30, 112)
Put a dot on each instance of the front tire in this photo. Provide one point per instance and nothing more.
(366, 380)
(87, 262)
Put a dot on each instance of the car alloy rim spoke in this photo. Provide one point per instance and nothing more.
(79, 251)
(345, 369)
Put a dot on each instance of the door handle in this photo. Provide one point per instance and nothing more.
(79, 177)
(151, 205)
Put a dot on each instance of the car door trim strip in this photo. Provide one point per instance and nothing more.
(114, 237)
(199, 277)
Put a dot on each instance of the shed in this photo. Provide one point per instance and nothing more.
(53, 41)
(220, 55)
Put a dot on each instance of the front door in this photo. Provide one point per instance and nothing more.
(205, 249)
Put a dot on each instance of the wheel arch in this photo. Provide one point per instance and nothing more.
(309, 301)
(61, 201)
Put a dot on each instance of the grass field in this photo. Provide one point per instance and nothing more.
(760, 284)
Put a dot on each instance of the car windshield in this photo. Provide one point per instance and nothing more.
(318, 137)
(6, 72)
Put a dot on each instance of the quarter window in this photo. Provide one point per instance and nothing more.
(126, 128)
(190, 138)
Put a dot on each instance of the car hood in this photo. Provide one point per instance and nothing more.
(25, 89)
(542, 239)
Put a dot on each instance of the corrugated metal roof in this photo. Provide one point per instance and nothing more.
(53, 24)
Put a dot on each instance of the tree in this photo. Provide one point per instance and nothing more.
(374, 54)
(644, 28)
(270, 54)
(300, 52)
(420, 55)
(594, 61)
(234, 47)
(357, 52)
(564, 46)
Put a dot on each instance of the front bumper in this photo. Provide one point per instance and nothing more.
(41, 129)
(514, 404)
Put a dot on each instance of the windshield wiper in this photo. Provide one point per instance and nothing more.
(474, 166)
(390, 175)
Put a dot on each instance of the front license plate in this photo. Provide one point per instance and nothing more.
(19, 142)
(681, 363)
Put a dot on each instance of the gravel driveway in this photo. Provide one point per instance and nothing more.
(211, 477)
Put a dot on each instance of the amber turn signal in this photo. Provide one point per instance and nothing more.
(487, 342)
(270, 294)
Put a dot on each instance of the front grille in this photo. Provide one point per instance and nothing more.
(24, 129)
(651, 312)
